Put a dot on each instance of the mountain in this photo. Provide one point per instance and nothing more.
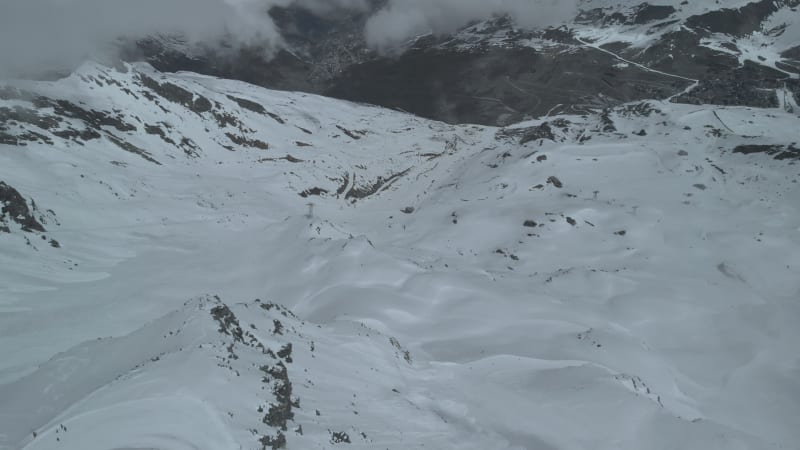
(493, 73)
(192, 262)
(582, 237)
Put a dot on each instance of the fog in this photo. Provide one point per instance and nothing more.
(401, 20)
(40, 35)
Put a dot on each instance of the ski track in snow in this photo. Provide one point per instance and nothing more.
(649, 302)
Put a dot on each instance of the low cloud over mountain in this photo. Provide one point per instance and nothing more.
(40, 35)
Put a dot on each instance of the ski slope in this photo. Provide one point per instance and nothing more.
(627, 279)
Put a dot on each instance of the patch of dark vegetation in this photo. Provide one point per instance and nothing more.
(729, 93)
(247, 142)
(128, 147)
(408, 210)
(726, 82)
(361, 192)
(15, 209)
(177, 94)
(302, 144)
(779, 152)
(530, 224)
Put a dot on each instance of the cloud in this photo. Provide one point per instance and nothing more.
(53, 34)
(401, 20)
(38, 35)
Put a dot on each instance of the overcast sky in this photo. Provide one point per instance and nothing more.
(38, 34)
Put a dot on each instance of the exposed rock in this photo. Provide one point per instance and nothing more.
(555, 182)
(247, 142)
(339, 437)
(779, 152)
(740, 21)
(249, 105)
(15, 209)
(177, 94)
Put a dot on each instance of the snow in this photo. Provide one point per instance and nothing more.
(653, 306)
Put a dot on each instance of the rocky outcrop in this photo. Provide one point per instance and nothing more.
(15, 209)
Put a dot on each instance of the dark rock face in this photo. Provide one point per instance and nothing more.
(15, 209)
(642, 14)
(740, 21)
(779, 152)
(646, 13)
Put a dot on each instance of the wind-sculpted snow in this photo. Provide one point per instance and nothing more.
(622, 279)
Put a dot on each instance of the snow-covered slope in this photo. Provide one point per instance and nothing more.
(623, 279)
